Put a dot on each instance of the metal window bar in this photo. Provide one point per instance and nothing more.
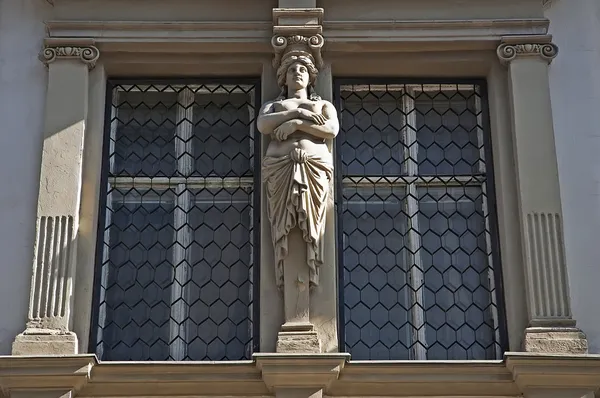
(180, 185)
(411, 180)
(182, 273)
(253, 250)
(488, 227)
(415, 263)
(108, 212)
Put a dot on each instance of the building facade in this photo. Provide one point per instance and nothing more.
(298, 198)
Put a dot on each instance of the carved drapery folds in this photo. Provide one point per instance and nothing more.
(87, 54)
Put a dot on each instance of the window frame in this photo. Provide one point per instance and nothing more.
(488, 187)
(108, 143)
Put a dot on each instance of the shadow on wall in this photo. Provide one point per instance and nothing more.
(23, 78)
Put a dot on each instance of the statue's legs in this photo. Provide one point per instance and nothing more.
(297, 333)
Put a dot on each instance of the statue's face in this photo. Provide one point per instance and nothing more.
(297, 76)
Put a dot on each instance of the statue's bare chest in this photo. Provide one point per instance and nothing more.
(290, 104)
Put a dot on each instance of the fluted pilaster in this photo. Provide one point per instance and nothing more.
(551, 325)
(55, 247)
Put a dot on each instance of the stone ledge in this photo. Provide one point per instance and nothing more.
(69, 373)
(188, 378)
(333, 373)
(531, 370)
(425, 378)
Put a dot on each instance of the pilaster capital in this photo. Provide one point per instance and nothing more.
(297, 32)
(514, 47)
(296, 45)
(86, 53)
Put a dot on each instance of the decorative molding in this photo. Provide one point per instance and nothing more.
(53, 257)
(556, 371)
(425, 379)
(88, 54)
(546, 4)
(289, 45)
(508, 52)
(66, 373)
(343, 36)
(226, 378)
(546, 259)
(517, 374)
(281, 371)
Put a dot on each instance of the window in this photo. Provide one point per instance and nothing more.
(419, 266)
(176, 273)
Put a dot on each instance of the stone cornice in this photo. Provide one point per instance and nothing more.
(525, 46)
(80, 49)
(531, 371)
(228, 378)
(255, 36)
(425, 378)
(66, 373)
(516, 374)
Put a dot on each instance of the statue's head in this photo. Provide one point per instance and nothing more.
(297, 71)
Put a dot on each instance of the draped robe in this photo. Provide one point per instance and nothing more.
(298, 188)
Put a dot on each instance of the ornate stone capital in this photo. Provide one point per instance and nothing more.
(508, 51)
(87, 54)
(284, 46)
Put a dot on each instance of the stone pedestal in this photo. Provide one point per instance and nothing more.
(552, 328)
(556, 340)
(55, 249)
(44, 341)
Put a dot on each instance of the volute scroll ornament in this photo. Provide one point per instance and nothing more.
(86, 54)
(284, 45)
(508, 52)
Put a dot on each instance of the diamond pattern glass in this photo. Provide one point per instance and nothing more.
(176, 274)
(418, 252)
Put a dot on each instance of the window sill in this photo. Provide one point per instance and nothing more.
(87, 377)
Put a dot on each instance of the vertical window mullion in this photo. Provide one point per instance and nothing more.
(104, 275)
(416, 272)
(488, 239)
(251, 325)
(183, 234)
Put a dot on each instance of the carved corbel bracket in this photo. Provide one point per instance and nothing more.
(300, 371)
(86, 52)
(297, 31)
(511, 48)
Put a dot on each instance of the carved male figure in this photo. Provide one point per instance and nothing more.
(298, 166)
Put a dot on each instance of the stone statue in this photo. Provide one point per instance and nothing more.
(298, 174)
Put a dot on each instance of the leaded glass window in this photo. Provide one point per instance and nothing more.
(178, 245)
(419, 268)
